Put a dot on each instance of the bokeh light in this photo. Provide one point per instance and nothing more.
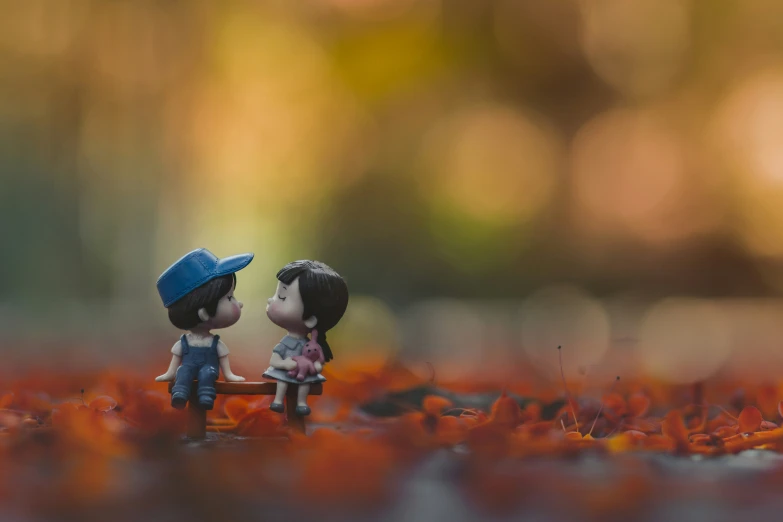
(637, 47)
(564, 316)
(684, 340)
(485, 169)
(743, 141)
(629, 174)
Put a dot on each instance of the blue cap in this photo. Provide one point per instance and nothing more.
(193, 270)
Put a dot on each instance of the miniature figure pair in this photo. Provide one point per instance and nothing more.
(198, 291)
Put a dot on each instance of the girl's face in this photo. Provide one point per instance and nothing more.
(285, 308)
(228, 311)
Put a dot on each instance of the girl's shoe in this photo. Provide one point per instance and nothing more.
(277, 406)
(303, 410)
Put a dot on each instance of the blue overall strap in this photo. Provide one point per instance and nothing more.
(184, 343)
(215, 343)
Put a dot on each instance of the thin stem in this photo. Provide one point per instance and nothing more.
(602, 405)
(568, 394)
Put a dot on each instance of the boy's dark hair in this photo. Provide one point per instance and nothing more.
(324, 295)
(184, 312)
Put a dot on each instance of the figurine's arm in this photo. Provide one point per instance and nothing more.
(171, 373)
(318, 366)
(222, 350)
(277, 362)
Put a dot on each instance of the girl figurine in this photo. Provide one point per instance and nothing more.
(198, 291)
(309, 295)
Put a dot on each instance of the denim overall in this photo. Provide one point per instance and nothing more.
(197, 363)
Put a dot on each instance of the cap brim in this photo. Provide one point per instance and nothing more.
(231, 264)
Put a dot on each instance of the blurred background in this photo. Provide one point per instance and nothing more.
(492, 178)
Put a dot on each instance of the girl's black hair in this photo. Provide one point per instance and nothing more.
(183, 313)
(324, 294)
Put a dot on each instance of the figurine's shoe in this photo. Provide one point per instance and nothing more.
(277, 406)
(178, 400)
(303, 410)
(206, 402)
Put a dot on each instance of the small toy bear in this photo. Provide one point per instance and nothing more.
(311, 352)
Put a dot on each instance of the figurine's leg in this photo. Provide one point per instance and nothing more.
(277, 404)
(180, 392)
(301, 400)
(207, 376)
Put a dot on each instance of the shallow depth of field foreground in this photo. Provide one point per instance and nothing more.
(389, 445)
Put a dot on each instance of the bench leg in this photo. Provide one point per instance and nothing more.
(295, 422)
(197, 421)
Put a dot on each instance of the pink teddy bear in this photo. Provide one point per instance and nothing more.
(305, 363)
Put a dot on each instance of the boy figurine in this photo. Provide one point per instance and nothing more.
(198, 291)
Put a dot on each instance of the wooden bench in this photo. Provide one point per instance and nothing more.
(197, 416)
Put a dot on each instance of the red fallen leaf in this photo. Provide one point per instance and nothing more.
(725, 431)
(658, 443)
(707, 440)
(103, 403)
(719, 421)
(505, 412)
(767, 399)
(780, 408)
(645, 425)
(638, 404)
(749, 419)
(745, 441)
(235, 408)
(536, 429)
(450, 431)
(531, 413)
(674, 428)
(434, 405)
(615, 404)
(260, 423)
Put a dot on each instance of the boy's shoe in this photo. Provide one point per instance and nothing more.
(206, 402)
(178, 400)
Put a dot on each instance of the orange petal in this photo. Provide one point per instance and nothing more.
(103, 403)
(235, 408)
(260, 423)
(506, 412)
(749, 419)
(638, 404)
(674, 428)
(725, 431)
(767, 400)
(434, 405)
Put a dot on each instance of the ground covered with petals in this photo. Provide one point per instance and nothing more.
(387, 445)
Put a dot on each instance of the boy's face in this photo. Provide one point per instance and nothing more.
(285, 308)
(228, 311)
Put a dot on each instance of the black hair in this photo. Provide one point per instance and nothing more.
(183, 313)
(324, 295)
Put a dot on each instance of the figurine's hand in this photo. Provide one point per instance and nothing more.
(165, 377)
(318, 366)
(234, 378)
